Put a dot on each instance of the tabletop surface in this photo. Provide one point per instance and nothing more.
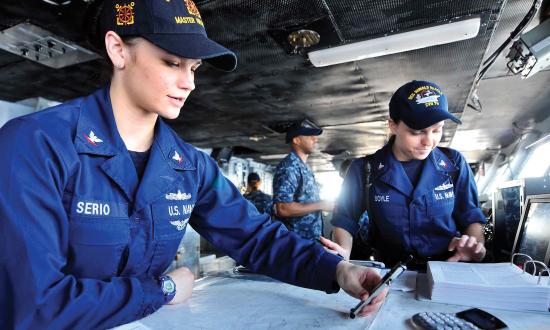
(248, 301)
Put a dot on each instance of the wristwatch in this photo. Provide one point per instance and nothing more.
(168, 288)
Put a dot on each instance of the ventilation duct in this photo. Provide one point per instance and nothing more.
(38, 45)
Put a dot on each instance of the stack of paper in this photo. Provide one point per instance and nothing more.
(499, 285)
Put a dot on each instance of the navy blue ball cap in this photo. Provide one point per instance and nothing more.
(420, 104)
(304, 127)
(173, 25)
(253, 176)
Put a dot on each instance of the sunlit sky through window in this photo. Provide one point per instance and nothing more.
(330, 183)
(538, 162)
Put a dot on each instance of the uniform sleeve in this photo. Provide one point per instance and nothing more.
(285, 183)
(269, 206)
(350, 205)
(223, 217)
(34, 230)
(466, 210)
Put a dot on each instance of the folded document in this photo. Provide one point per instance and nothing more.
(497, 285)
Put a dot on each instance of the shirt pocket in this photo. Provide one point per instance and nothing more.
(97, 245)
(170, 221)
(310, 188)
(442, 196)
(440, 213)
(390, 220)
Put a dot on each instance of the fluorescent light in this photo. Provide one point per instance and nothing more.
(397, 43)
(276, 156)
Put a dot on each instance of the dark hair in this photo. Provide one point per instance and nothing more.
(253, 177)
(107, 67)
(344, 167)
(96, 38)
(391, 139)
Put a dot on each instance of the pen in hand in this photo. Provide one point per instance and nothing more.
(328, 248)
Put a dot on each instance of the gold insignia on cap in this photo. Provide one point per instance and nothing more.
(192, 8)
(125, 14)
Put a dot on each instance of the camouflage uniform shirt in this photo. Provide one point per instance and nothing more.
(261, 200)
(294, 182)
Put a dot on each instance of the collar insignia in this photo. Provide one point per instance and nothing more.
(177, 157)
(92, 138)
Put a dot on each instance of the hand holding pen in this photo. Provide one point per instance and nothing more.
(381, 289)
(359, 282)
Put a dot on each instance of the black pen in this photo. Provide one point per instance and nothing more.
(338, 254)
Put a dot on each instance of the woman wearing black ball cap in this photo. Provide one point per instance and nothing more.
(97, 193)
(422, 199)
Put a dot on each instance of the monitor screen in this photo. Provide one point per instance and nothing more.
(507, 214)
(534, 238)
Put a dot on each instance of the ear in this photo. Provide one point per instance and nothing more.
(115, 47)
(392, 126)
(296, 140)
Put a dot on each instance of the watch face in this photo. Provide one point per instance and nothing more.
(168, 286)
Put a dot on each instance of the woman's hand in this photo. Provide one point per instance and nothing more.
(467, 248)
(184, 279)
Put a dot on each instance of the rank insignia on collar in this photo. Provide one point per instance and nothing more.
(177, 157)
(92, 138)
(442, 163)
(380, 166)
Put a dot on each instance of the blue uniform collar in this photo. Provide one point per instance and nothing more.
(389, 170)
(96, 131)
(441, 162)
(171, 148)
(97, 134)
(435, 172)
(295, 157)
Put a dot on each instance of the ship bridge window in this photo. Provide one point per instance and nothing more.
(330, 183)
(503, 174)
(537, 162)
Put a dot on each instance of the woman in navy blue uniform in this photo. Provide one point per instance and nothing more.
(420, 199)
(97, 193)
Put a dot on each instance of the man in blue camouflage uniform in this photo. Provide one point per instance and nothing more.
(262, 201)
(296, 193)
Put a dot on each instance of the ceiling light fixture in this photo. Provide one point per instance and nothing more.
(271, 157)
(397, 43)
